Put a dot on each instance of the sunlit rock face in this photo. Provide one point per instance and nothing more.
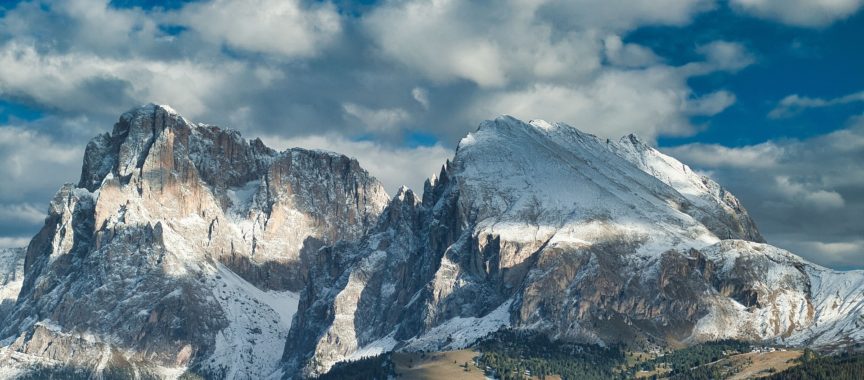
(540, 226)
(183, 245)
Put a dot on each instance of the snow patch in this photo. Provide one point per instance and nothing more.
(251, 346)
(458, 333)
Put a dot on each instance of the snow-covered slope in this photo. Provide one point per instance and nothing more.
(715, 207)
(773, 294)
(538, 225)
(183, 245)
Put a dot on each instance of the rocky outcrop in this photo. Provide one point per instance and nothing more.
(182, 246)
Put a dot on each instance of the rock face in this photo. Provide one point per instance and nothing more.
(541, 226)
(183, 245)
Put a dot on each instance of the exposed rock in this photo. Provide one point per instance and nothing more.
(137, 259)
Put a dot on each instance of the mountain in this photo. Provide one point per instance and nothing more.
(540, 226)
(185, 247)
(183, 244)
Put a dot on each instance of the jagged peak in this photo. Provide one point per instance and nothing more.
(403, 192)
(149, 109)
(634, 140)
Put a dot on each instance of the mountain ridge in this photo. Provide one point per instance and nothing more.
(186, 247)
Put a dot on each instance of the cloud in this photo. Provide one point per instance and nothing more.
(376, 119)
(393, 166)
(763, 155)
(24, 212)
(726, 56)
(628, 55)
(287, 28)
(793, 104)
(804, 13)
(33, 166)
(652, 101)
(805, 195)
(802, 193)
(14, 242)
(25, 172)
(841, 255)
(421, 96)
(621, 15)
(80, 82)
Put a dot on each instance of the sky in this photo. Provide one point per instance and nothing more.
(764, 96)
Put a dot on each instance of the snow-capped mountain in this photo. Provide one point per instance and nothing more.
(539, 226)
(186, 247)
(182, 244)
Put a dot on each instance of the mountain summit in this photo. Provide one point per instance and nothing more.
(186, 247)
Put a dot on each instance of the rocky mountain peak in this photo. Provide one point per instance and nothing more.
(176, 240)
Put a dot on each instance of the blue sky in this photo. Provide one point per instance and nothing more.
(765, 96)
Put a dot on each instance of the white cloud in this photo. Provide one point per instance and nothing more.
(23, 212)
(421, 96)
(763, 155)
(448, 40)
(801, 193)
(725, 55)
(836, 254)
(288, 28)
(628, 55)
(84, 82)
(794, 103)
(619, 15)
(377, 119)
(651, 101)
(14, 241)
(393, 166)
(19, 166)
(805, 13)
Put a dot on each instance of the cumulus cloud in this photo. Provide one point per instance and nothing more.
(805, 195)
(793, 104)
(80, 82)
(763, 155)
(288, 28)
(628, 55)
(804, 13)
(652, 101)
(376, 119)
(393, 166)
(726, 55)
(33, 166)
